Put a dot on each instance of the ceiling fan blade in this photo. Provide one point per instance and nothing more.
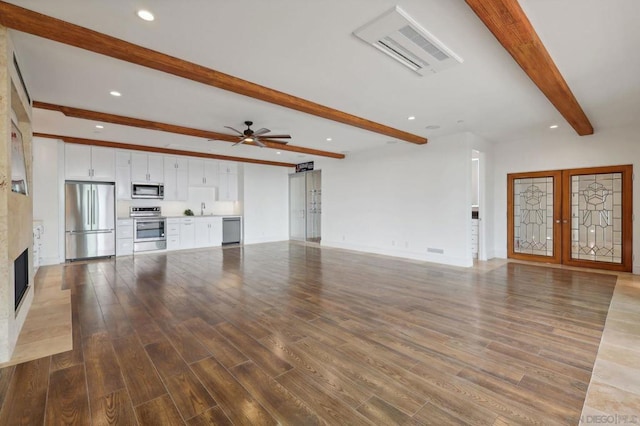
(278, 136)
(237, 131)
(261, 131)
(274, 141)
(239, 142)
(259, 142)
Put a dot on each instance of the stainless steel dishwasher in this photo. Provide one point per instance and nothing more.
(231, 230)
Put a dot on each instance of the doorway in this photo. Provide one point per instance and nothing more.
(578, 217)
(305, 206)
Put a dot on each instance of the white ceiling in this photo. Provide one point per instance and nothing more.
(306, 48)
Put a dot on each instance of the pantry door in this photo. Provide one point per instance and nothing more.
(533, 216)
(578, 217)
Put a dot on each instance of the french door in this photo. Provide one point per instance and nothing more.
(578, 217)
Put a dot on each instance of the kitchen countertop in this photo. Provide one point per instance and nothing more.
(206, 215)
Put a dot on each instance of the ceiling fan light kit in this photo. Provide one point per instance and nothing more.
(253, 136)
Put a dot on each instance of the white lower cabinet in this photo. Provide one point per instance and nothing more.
(173, 234)
(187, 233)
(124, 237)
(193, 232)
(208, 231)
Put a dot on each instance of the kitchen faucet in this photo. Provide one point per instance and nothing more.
(202, 207)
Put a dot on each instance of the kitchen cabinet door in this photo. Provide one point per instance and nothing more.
(103, 164)
(196, 172)
(187, 233)
(147, 168)
(203, 173)
(176, 184)
(228, 167)
(210, 173)
(182, 184)
(77, 162)
(123, 175)
(84, 162)
(228, 187)
(139, 170)
(203, 227)
(155, 168)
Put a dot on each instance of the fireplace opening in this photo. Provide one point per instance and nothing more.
(21, 274)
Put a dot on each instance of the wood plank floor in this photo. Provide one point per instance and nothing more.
(292, 334)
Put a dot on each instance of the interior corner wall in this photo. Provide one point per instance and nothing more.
(16, 222)
(563, 149)
(404, 200)
(266, 203)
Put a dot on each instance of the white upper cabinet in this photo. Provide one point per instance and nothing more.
(147, 168)
(84, 162)
(228, 188)
(227, 167)
(123, 175)
(176, 180)
(203, 172)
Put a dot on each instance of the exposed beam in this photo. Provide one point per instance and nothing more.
(31, 22)
(172, 128)
(107, 144)
(509, 24)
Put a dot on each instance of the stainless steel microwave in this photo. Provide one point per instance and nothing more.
(147, 190)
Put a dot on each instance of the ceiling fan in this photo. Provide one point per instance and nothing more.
(249, 135)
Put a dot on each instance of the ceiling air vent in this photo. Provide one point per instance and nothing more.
(402, 38)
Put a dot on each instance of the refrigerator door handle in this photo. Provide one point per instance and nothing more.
(95, 208)
(103, 231)
(87, 212)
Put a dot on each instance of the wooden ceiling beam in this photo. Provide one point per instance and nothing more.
(40, 25)
(510, 25)
(172, 128)
(120, 145)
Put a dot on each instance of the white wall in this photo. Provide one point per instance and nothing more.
(46, 195)
(266, 203)
(401, 199)
(563, 149)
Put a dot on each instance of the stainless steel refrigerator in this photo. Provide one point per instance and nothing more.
(89, 220)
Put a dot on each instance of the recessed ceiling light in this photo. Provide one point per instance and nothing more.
(432, 127)
(553, 126)
(411, 118)
(115, 93)
(146, 15)
(278, 152)
(99, 126)
(329, 139)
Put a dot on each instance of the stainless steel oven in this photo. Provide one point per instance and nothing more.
(148, 229)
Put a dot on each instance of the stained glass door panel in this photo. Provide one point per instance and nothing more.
(534, 229)
(600, 217)
(578, 217)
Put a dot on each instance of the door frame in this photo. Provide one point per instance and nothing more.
(557, 228)
(562, 217)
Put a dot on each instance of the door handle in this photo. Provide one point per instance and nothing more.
(565, 221)
(557, 220)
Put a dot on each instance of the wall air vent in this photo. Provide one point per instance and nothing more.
(398, 35)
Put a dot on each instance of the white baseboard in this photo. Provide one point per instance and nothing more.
(406, 254)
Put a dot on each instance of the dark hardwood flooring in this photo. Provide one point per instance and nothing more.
(292, 334)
